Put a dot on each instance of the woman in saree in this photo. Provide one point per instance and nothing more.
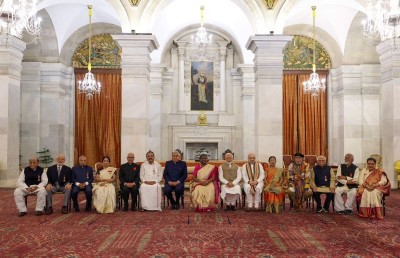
(205, 188)
(274, 195)
(104, 198)
(374, 184)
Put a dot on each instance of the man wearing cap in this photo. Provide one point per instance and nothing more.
(253, 177)
(299, 181)
(322, 182)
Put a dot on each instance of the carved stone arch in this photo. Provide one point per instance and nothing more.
(185, 33)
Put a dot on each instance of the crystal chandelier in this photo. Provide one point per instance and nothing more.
(314, 85)
(89, 86)
(201, 39)
(17, 16)
(383, 19)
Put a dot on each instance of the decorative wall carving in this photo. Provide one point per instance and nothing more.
(298, 55)
(105, 53)
(270, 3)
(134, 2)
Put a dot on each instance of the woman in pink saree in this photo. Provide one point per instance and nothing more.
(204, 189)
(373, 185)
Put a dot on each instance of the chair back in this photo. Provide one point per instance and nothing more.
(287, 159)
(311, 159)
(379, 160)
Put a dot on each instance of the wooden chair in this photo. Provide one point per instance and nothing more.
(310, 159)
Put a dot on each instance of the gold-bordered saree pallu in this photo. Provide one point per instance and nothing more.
(204, 197)
(371, 201)
(274, 194)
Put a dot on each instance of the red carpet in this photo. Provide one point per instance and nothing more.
(219, 234)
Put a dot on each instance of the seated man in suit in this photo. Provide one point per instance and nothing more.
(175, 174)
(32, 180)
(322, 181)
(60, 180)
(82, 179)
(129, 177)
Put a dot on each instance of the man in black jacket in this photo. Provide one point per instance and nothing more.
(129, 177)
(59, 176)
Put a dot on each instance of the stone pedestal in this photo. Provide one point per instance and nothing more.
(268, 68)
(10, 106)
(136, 67)
(389, 56)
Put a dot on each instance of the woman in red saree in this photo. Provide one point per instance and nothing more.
(274, 195)
(374, 184)
(205, 188)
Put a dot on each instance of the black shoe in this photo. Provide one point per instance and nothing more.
(340, 212)
(49, 211)
(77, 210)
(64, 210)
(125, 209)
(233, 208)
(320, 210)
(38, 213)
(348, 212)
(21, 214)
(87, 209)
(326, 210)
(228, 208)
(177, 207)
(173, 207)
(133, 207)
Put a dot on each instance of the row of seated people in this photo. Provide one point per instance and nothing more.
(299, 181)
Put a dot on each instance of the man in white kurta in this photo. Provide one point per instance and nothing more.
(253, 177)
(347, 177)
(32, 180)
(150, 189)
(229, 175)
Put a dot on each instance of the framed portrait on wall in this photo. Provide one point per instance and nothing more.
(202, 86)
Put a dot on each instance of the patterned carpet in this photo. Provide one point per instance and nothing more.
(187, 234)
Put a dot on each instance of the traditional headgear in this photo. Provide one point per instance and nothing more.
(298, 154)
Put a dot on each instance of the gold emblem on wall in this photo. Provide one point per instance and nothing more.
(298, 55)
(134, 2)
(105, 53)
(270, 3)
(202, 119)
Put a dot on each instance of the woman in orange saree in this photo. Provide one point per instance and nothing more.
(274, 195)
(374, 184)
(205, 188)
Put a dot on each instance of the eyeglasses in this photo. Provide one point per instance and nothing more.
(131, 157)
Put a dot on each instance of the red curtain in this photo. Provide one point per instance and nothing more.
(98, 121)
(304, 116)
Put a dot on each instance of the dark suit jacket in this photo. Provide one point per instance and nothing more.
(82, 174)
(129, 173)
(175, 171)
(64, 178)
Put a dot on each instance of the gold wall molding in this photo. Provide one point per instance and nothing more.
(298, 55)
(134, 2)
(105, 53)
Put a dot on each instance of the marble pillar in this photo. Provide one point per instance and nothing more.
(136, 68)
(222, 82)
(10, 106)
(181, 72)
(389, 56)
(47, 110)
(268, 68)
(353, 113)
(247, 113)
